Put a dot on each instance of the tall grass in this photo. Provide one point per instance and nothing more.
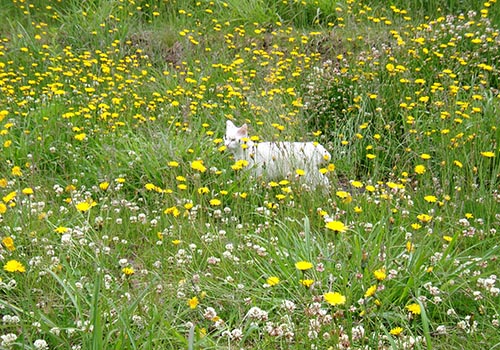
(125, 226)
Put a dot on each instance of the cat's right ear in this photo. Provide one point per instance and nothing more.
(230, 125)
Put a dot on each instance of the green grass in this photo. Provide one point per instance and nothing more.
(121, 243)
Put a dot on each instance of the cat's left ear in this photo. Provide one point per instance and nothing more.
(243, 130)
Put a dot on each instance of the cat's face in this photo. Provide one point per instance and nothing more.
(234, 136)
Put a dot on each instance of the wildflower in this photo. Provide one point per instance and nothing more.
(396, 331)
(16, 171)
(357, 184)
(173, 164)
(370, 188)
(380, 274)
(300, 172)
(239, 164)
(273, 280)
(457, 163)
(409, 247)
(80, 137)
(8, 242)
(61, 229)
(172, 211)
(303, 265)
(448, 238)
(307, 282)
(104, 185)
(345, 196)
(425, 156)
(215, 202)
(371, 291)
(14, 266)
(27, 191)
(85, 206)
(3, 208)
(198, 165)
(420, 169)
(203, 190)
(336, 226)
(424, 218)
(414, 308)
(488, 154)
(334, 298)
(430, 199)
(9, 196)
(128, 271)
(193, 302)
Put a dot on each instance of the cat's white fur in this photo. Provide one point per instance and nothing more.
(277, 160)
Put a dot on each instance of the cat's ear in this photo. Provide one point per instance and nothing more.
(243, 131)
(230, 125)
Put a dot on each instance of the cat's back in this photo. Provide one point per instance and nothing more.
(306, 150)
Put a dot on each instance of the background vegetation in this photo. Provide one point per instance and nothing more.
(125, 226)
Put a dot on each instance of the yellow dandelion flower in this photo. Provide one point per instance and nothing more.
(357, 184)
(303, 265)
(300, 172)
(27, 191)
(371, 291)
(172, 211)
(193, 302)
(336, 226)
(16, 171)
(128, 271)
(14, 266)
(215, 202)
(488, 154)
(370, 188)
(420, 169)
(396, 331)
(3, 208)
(8, 242)
(380, 274)
(273, 280)
(334, 298)
(307, 282)
(7, 198)
(104, 185)
(414, 308)
(424, 218)
(61, 229)
(203, 190)
(198, 165)
(409, 247)
(80, 137)
(85, 206)
(430, 199)
(416, 226)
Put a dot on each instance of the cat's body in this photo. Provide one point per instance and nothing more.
(278, 160)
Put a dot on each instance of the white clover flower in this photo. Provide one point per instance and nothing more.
(40, 344)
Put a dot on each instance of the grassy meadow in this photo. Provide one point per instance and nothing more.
(126, 224)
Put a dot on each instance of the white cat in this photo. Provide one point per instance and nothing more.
(278, 160)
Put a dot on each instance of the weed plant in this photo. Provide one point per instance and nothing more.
(125, 224)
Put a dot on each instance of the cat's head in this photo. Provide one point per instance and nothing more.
(234, 135)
